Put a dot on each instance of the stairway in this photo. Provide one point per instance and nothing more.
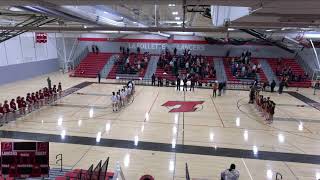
(152, 67)
(107, 68)
(219, 67)
(228, 71)
(268, 71)
(261, 74)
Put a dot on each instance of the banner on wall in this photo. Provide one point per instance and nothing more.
(41, 37)
(163, 46)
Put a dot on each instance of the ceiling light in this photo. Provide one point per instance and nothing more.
(135, 22)
(177, 18)
(85, 26)
(15, 9)
(231, 29)
(269, 30)
(171, 5)
(175, 13)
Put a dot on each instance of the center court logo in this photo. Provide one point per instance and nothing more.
(182, 106)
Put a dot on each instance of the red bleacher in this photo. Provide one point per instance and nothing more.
(296, 69)
(91, 65)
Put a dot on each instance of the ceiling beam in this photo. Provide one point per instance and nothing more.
(261, 25)
(113, 28)
(305, 16)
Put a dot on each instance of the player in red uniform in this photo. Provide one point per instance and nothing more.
(41, 96)
(54, 91)
(29, 102)
(23, 105)
(19, 104)
(13, 105)
(60, 89)
(34, 100)
(46, 95)
(1, 114)
(6, 109)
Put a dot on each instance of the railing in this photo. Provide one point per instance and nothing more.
(303, 64)
(59, 159)
(123, 79)
(118, 172)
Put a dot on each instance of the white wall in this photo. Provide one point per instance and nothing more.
(23, 49)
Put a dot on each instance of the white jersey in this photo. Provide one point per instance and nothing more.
(129, 91)
(118, 98)
(230, 175)
(114, 98)
(122, 94)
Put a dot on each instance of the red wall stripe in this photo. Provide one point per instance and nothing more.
(145, 40)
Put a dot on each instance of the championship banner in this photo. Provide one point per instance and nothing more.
(41, 37)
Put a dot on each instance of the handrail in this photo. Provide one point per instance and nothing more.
(118, 172)
(74, 62)
(60, 159)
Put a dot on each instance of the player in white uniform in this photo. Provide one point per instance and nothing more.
(118, 100)
(123, 97)
(114, 102)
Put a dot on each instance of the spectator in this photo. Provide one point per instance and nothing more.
(153, 79)
(230, 174)
(99, 77)
(273, 85)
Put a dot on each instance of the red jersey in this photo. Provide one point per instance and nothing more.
(6, 108)
(59, 88)
(34, 99)
(46, 94)
(1, 110)
(13, 105)
(29, 99)
(23, 103)
(41, 95)
(19, 103)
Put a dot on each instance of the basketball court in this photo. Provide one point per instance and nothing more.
(145, 137)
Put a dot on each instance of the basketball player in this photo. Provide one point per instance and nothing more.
(114, 102)
(23, 104)
(29, 102)
(13, 105)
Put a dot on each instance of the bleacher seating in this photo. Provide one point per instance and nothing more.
(160, 72)
(92, 65)
(172, 77)
(296, 69)
(116, 69)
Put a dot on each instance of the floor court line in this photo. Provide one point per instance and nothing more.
(245, 165)
(164, 147)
